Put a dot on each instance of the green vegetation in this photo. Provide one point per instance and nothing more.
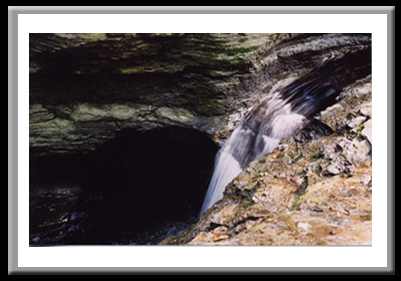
(274, 35)
(215, 54)
(241, 50)
(210, 107)
(296, 206)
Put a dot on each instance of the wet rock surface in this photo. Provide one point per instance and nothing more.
(86, 88)
(314, 189)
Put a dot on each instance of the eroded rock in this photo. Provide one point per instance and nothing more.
(96, 84)
(315, 188)
(308, 191)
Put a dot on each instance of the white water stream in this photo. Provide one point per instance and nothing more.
(285, 110)
(251, 140)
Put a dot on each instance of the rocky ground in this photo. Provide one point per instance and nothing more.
(314, 189)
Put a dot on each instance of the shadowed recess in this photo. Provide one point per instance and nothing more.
(136, 189)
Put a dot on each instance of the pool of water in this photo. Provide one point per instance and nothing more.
(67, 216)
(136, 190)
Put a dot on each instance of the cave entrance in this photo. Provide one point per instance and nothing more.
(135, 189)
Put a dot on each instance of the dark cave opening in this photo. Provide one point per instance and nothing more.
(138, 188)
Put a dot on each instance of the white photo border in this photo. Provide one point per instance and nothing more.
(196, 258)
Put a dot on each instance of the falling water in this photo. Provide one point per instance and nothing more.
(285, 110)
(248, 143)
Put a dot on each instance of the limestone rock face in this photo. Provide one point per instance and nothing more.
(314, 189)
(86, 88)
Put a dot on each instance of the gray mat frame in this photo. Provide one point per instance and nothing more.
(14, 11)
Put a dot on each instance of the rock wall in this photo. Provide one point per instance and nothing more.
(86, 88)
(314, 189)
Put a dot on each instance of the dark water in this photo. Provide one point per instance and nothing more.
(137, 189)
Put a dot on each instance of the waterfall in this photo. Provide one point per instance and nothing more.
(248, 143)
(285, 110)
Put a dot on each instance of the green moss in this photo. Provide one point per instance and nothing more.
(296, 206)
(210, 107)
(211, 55)
(241, 50)
(317, 156)
(274, 35)
(249, 191)
(298, 157)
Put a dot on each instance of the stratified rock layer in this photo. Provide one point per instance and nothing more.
(86, 88)
(314, 189)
